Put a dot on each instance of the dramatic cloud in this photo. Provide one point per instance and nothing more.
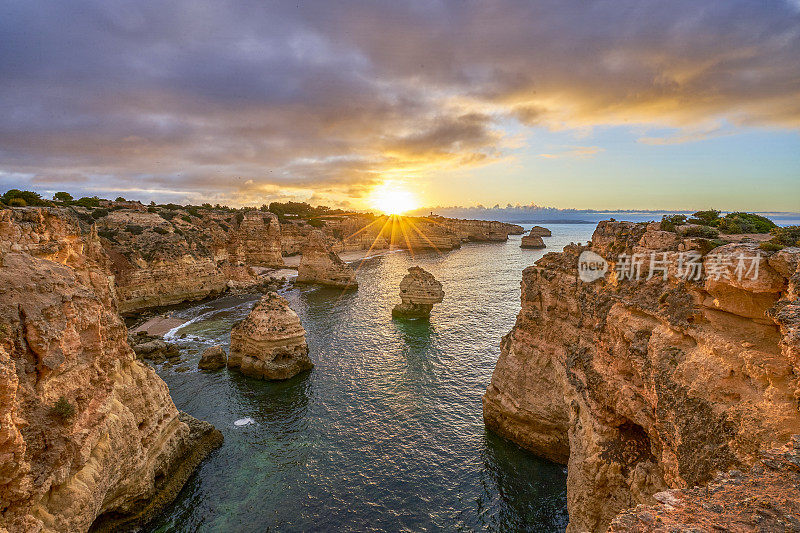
(247, 100)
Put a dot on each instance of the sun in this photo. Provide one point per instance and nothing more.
(392, 198)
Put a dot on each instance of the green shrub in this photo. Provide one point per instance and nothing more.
(770, 246)
(28, 197)
(99, 213)
(705, 218)
(316, 223)
(63, 409)
(186, 218)
(206, 206)
(120, 199)
(788, 236)
(160, 230)
(134, 229)
(88, 202)
(705, 232)
(167, 215)
(670, 222)
(63, 197)
(239, 217)
(178, 231)
(224, 226)
(192, 210)
(734, 223)
(109, 234)
(152, 209)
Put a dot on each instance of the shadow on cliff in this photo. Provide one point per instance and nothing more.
(533, 491)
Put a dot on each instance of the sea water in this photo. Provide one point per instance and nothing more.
(386, 432)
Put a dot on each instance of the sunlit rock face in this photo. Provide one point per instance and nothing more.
(322, 266)
(255, 240)
(532, 241)
(270, 343)
(650, 384)
(162, 261)
(478, 230)
(88, 434)
(419, 291)
(540, 231)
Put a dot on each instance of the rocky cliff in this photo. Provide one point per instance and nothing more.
(479, 230)
(170, 256)
(322, 266)
(676, 364)
(89, 434)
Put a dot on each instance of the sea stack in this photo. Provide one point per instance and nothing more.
(541, 231)
(270, 343)
(534, 238)
(419, 290)
(322, 266)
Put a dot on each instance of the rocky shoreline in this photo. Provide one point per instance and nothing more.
(653, 382)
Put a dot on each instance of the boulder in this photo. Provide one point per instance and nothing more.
(213, 358)
(419, 290)
(270, 343)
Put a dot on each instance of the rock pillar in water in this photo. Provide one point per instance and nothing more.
(270, 343)
(419, 290)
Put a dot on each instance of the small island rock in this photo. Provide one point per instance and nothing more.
(540, 231)
(270, 343)
(213, 358)
(534, 238)
(419, 290)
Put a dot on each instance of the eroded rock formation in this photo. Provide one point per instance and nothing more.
(322, 266)
(88, 434)
(532, 241)
(419, 290)
(270, 343)
(540, 231)
(641, 385)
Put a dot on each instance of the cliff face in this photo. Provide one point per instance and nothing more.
(161, 261)
(87, 430)
(320, 265)
(479, 230)
(643, 385)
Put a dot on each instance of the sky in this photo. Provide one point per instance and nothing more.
(611, 104)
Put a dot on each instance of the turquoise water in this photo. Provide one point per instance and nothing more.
(386, 432)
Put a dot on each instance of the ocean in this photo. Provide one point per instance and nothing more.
(386, 432)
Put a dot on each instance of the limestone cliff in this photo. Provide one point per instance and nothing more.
(270, 343)
(640, 385)
(478, 230)
(167, 257)
(322, 266)
(89, 434)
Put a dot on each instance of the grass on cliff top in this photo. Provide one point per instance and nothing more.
(62, 409)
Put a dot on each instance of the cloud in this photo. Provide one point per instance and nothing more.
(241, 98)
(579, 152)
